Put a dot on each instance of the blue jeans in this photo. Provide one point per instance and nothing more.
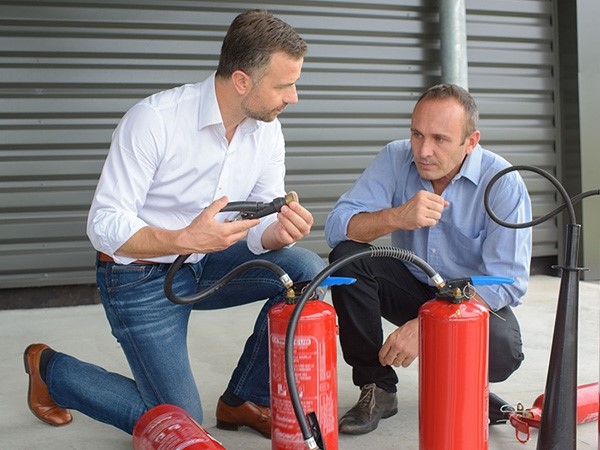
(152, 332)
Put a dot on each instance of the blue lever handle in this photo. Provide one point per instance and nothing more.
(482, 280)
(337, 281)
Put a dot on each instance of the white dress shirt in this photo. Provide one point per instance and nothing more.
(169, 159)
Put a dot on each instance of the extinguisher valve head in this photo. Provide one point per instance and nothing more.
(457, 290)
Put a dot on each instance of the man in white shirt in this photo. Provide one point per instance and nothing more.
(176, 159)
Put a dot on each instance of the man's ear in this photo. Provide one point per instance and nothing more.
(242, 82)
(472, 140)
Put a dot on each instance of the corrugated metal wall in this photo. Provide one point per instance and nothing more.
(70, 69)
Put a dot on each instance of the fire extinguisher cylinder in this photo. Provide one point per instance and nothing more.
(453, 375)
(315, 361)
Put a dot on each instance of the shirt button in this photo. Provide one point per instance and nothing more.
(434, 251)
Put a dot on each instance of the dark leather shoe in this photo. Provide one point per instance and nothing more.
(499, 410)
(38, 398)
(373, 405)
(247, 414)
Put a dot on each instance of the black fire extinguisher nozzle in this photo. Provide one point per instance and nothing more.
(256, 210)
(248, 210)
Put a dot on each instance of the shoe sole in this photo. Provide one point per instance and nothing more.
(227, 426)
(391, 413)
(222, 425)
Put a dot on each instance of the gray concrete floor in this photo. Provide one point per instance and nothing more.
(215, 341)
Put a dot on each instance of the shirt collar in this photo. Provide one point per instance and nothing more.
(471, 168)
(209, 113)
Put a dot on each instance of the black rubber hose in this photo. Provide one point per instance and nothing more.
(168, 284)
(568, 202)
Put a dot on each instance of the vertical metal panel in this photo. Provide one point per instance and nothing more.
(511, 74)
(70, 69)
(589, 101)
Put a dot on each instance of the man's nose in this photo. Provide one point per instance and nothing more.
(291, 96)
(426, 148)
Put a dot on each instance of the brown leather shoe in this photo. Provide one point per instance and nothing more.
(38, 398)
(248, 414)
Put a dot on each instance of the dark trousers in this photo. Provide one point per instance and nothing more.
(386, 288)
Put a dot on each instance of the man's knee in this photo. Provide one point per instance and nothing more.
(303, 261)
(506, 353)
(345, 248)
(500, 372)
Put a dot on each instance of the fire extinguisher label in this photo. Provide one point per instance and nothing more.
(315, 354)
(308, 379)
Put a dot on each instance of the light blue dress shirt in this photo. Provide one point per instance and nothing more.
(466, 241)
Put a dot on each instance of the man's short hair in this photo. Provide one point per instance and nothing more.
(448, 90)
(251, 40)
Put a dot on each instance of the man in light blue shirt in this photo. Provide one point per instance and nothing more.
(427, 192)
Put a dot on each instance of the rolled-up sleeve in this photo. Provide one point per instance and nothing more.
(121, 192)
(372, 191)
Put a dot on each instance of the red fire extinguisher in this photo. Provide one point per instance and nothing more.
(315, 360)
(453, 368)
(169, 427)
(587, 411)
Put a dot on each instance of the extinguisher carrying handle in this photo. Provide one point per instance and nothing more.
(522, 427)
(485, 280)
(459, 289)
(337, 281)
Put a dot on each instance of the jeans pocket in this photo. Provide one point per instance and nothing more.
(124, 277)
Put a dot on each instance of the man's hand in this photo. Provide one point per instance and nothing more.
(205, 234)
(424, 209)
(402, 345)
(293, 223)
